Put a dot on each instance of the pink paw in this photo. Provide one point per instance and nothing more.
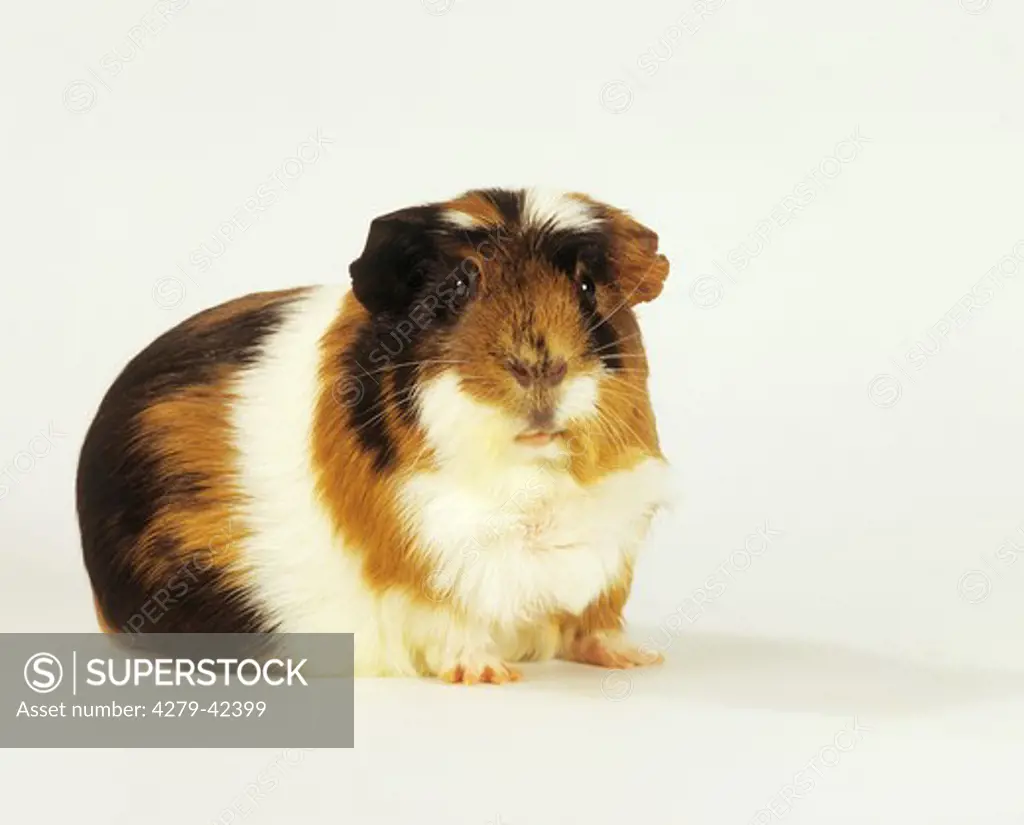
(611, 650)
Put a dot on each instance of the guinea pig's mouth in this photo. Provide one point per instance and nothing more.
(538, 438)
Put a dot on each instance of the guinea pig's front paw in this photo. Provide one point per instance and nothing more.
(480, 669)
(610, 649)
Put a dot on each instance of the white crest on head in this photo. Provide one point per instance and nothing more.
(551, 209)
(461, 219)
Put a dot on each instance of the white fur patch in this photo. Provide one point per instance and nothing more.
(534, 541)
(463, 431)
(510, 537)
(579, 398)
(303, 576)
(453, 419)
(461, 219)
(556, 210)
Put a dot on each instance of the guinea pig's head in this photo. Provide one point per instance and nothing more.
(508, 313)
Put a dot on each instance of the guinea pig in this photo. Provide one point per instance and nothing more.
(455, 460)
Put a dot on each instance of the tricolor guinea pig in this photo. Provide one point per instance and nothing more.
(456, 459)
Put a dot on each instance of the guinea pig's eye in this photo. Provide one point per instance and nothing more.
(587, 260)
(587, 291)
(463, 285)
(464, 280)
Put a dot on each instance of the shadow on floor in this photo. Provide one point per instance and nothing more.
(786, 675)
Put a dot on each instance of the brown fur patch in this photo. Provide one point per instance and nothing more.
(625, 431)
(362, 500)
(158, 503)
(478, 207)
(641, 269)
(232, 310)
(190, 433)
(604, 613)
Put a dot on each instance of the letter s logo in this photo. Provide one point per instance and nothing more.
(43, 672)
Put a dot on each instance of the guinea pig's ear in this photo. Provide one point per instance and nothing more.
(639, 267)
(391, 268)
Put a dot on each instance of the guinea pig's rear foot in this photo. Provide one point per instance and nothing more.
(480, 669)
(610, 648)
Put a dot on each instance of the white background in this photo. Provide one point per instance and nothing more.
(784, 392)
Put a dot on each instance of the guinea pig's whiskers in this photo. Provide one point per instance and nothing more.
(617, 419)
(619, 387)
(625, 371)
(397, 399)
(422, 363)
(617, 381)
(372, 420)
(416, 462)
(611, 395)
(627, 380)
(602, 425)
(617, 341)
(606, 318)
(472, 377)
(607, 426)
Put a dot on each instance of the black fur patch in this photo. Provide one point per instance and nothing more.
(508, 202)
(406, 379)
(389, 272)
(365, 365)
(604, 340)
(567, 249)
(382, 360)
(588, 252)
(413, 281)
(120, 483)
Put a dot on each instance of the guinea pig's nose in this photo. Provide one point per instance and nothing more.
(520, 371)
(549, 373)
(554, 371)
